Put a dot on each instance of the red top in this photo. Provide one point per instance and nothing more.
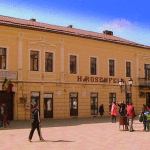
(114, 110)
(130, 111)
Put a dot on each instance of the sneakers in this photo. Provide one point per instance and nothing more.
(42, 139)
(29, 140)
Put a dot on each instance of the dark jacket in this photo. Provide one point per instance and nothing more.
(101, 109)
(35, 116)
(122, 108)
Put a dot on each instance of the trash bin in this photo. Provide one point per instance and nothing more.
(123, 121)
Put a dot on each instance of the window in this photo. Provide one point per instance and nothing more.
(147, 71)
(48, 62)
(111, 68)
(112, 98)
(128, 69)
(2, 58)
(34, 58)
(94, 103)
(73, 64)
(93, 65)
(128, 98)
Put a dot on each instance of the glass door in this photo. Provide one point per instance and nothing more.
(73, 104)
(48, 105)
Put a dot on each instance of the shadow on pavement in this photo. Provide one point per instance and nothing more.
(60, 122)
(54, 141)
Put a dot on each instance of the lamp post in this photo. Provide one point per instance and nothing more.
(121, 82)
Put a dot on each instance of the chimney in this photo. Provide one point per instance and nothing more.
(32, 19)
(70, 26)
(107, 32)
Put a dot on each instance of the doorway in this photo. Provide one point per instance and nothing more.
(73, 104)
(148, 99)
(48, 105)
(7, 98)
(35, 99)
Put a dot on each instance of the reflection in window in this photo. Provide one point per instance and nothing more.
(73, 64)
(94, 103)
(128, 69)
(34, 56)
(93, 65)
(48, 62)
(111, 68)
(2, 58)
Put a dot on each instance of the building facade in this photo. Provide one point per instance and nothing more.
(69, 72)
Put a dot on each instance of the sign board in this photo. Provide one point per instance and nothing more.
(73, 95)
(27, 106)
(35, 94)
(8, 75)
(94, 95)
(59, 92)
(48, 95)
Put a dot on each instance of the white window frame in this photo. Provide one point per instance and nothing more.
(39, 61)
(7, 58)
(49, 51)
(115, 69)
(77, 56)
(125, 67)
(97, 65)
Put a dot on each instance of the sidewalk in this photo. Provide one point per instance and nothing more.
(74, 134)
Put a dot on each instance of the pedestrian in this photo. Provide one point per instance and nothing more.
(2, 115)
(113, 112)
(101, 110)
(144, 109)
(131, 116)
(35, 123)
(122, 108)
(5, 115)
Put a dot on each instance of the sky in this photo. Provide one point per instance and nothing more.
(128, 19)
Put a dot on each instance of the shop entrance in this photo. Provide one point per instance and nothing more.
(7, 98)
(35, 99)
(148, 99)
(48, 105)
(73, 104)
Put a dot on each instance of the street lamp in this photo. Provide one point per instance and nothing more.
(122, 81)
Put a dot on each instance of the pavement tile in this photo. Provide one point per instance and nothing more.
(74, 134)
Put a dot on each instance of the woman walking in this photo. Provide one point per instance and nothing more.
(101, 110)
(113, 112)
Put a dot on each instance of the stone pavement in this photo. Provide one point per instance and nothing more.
(75, 134)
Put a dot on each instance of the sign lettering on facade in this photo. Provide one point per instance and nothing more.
(8, 75)
(97, 79)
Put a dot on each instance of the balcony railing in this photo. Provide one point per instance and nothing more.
(144, 83)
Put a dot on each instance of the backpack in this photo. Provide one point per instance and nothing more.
(140, 118)
(148, 117)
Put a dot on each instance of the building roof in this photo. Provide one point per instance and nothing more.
(32, 24)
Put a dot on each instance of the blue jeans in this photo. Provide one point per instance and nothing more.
(147, 124)
(130, 124)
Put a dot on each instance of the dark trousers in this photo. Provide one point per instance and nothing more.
(113, 118)
(34, 126)
(1, 120)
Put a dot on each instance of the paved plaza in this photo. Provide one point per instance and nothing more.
(75, 134)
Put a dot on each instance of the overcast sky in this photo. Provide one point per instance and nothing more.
(128, 19)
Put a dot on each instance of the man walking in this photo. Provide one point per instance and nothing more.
(35, 123)
(131, 116)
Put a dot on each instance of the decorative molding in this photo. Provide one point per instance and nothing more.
(42, 43)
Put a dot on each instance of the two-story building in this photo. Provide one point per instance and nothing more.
(69, 72)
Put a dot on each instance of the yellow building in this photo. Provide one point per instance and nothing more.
(69, 72)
